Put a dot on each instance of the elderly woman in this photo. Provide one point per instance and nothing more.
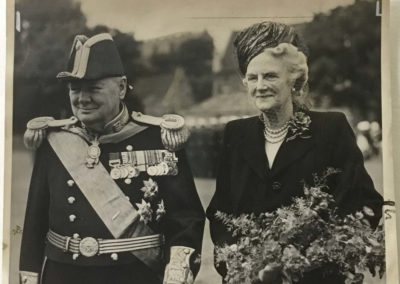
(266, 158)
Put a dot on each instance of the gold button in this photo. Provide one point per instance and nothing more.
(75, 256)
(114, 256)
(72, 218)
(70, 183)
(129, 148)
(127, 198)
(71, 200)
(75, 236)
(128, 181)
(187, 251)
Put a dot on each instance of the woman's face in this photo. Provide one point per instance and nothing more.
(268, 83)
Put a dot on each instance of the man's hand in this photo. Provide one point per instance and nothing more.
(178, 269)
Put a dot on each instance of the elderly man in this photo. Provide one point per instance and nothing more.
(112, 197)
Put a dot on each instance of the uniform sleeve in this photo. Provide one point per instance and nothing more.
(354, 188)
(221, 200)
(184, 218)
(36, 216)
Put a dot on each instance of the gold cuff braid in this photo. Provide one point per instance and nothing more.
(178, 269)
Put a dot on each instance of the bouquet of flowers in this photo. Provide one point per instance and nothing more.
(299, 238)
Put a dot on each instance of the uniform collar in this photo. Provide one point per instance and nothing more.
(114, 126)
(118, 122)
(115, 131)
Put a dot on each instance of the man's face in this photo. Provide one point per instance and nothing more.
(96, 102)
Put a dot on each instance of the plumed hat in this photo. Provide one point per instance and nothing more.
(254, 39)
(93, 58)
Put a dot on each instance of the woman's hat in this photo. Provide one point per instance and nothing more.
(92, 59)
(253, 40)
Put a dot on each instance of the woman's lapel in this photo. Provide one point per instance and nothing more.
(290, 151)
(252, 148)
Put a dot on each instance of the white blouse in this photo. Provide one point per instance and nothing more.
(271, 149)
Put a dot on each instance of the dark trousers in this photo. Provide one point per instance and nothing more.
(61, 273)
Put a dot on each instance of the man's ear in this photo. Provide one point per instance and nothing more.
(122, 87)
(244, 81)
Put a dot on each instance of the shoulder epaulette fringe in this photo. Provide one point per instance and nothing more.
(36, 129)
(174, 133)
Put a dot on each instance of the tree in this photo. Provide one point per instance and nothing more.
(345, 59)
(41, 51)
(195, 56)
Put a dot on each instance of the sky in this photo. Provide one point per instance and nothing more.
(148, 19)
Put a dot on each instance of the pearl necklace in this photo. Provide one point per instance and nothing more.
(275, 136)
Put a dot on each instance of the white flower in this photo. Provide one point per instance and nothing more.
(160, 210)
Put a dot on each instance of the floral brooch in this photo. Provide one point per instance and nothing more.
(299, 126)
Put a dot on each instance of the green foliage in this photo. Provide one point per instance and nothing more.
(306, 235)
(345, 58)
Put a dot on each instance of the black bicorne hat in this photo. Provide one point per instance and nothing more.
(92, 59)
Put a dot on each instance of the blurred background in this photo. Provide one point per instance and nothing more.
(179, 58)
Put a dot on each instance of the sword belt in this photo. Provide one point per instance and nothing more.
(91, 246)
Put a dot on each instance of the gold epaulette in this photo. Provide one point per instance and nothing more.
(174, 134)
(36, 129)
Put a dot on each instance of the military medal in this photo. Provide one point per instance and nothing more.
(133, 172)
(128, 165)
(93, 153)
(152, 171)
(124, 172)
(115, 173)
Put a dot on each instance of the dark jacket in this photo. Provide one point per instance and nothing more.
(246, 184)
(48, 208)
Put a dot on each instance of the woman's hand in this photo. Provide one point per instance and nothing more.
(271, 274)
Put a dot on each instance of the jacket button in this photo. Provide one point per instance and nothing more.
(276, 185)
(75, 256)
(129, 148)
(71, 200)
(70, 183)
(72, 218)
(114, 256)
(75, 236)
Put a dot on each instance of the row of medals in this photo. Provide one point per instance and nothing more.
(154, 162)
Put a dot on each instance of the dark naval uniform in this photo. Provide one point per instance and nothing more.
(112, 203)
(56, 203)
